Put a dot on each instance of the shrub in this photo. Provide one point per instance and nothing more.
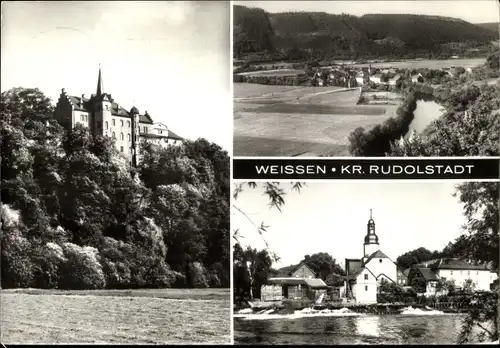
(82, 269)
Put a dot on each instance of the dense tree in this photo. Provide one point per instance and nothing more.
(251, 269)
(416, 256)
(326, 267)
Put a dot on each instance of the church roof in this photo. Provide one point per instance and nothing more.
(378, 255)
(358, 272)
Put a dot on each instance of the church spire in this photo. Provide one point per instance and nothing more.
(99, 83)
(371, 237)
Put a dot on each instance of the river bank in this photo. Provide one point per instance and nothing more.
(277, 308)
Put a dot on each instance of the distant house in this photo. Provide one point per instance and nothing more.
(303, 271)
(360, 80)
(456, 271)
(431, 279)
(320, 82)
(293, 288)
(418, 78)
(297, 283)
(395, 79)
(402, 277)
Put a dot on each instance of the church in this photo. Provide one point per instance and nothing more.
(104, 116)
(365, 274)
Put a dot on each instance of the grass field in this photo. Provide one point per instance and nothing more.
(276, 72)
(295, 121)
(166, 316)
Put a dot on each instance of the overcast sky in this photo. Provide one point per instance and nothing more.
(169, 58)
(332, 218)
(474, 11)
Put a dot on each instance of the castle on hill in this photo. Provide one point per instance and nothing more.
(104, 116)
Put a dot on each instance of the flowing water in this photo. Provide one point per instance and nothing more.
(411, 326)
(425, 113)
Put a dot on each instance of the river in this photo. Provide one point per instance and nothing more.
(344, 327)
(426, 112)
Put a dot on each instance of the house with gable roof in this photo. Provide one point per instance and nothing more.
(294, 283)
(456, 271)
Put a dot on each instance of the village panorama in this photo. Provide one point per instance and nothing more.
(323, 267)
(313, 79)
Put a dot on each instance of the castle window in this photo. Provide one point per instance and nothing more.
(128, 124)
(113, 122)
(468, 272)
(106, 124)
(121, 136)
(366, 287)
(128, 137)
(114, 135)
(366, 276)
(86, 118)
(121, 123)
(477, 272)
(145, 129)
(81, 117)
(121, 148)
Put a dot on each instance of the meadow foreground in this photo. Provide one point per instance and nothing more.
(150, 316)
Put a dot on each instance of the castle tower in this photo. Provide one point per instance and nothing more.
(102, 120)
(371, 239)
(134, 114)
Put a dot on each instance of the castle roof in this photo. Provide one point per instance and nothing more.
(169, 135)
(84, 104)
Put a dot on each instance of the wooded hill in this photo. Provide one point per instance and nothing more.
(493, 26)
(347, 36)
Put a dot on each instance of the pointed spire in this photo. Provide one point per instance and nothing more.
(99, 83)
(370, 214)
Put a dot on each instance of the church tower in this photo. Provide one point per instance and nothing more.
(371, 239)
(102, 122)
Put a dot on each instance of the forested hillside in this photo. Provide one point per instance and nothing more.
(490, 26)
(75, 216)
(345, 36)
